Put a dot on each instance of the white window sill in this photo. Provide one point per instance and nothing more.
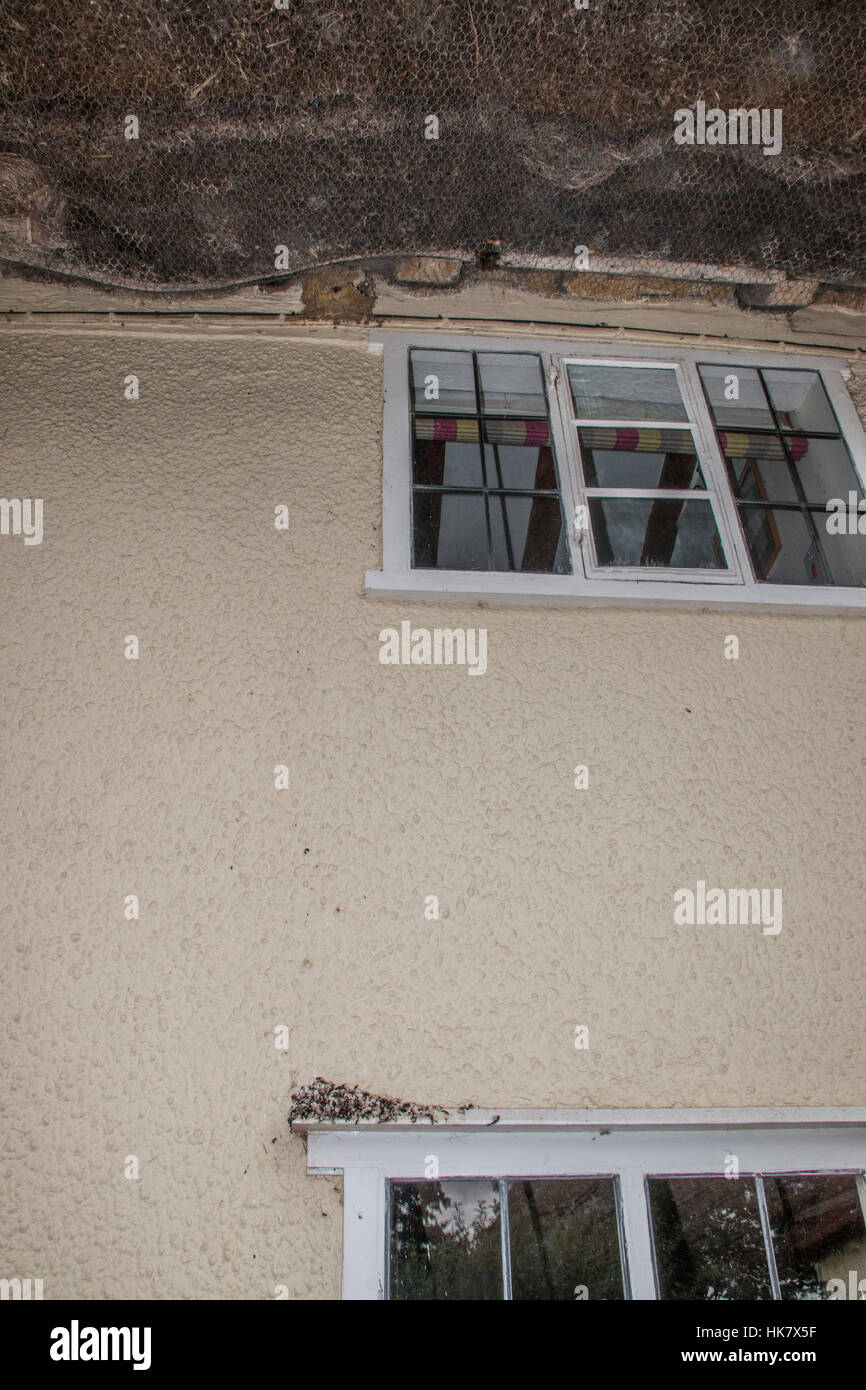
(568, 590)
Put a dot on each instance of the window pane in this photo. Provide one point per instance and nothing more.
(443, 382)
(818, 1232)
(800, 400)
(639, 458)
(758, 468)
(650, 531)
(517, 455)
(511, 384)
(736, 397)
(845, 555)
(626, 393)
(824, 467)
(450, 531)
(446, 1240)
(783, 546)
(708, 1238)
(439, 457)
(564, 1239)
(527, 534)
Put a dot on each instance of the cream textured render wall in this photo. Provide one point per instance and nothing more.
(304, 906)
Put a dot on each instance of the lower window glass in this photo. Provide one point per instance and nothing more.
(564, 1239)
(709, 1242)
(712, 1240)
(818, 1233)
(770, 1236)
(521, 1238)
(663, 532)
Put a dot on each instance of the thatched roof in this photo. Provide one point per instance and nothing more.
(304, 127)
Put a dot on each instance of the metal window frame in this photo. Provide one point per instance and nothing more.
(628, 1145)
(706, 589)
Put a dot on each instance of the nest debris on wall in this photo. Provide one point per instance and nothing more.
(330, 1100)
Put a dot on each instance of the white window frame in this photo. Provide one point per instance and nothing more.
(716, 488)
(628, 1145)
(589, 584)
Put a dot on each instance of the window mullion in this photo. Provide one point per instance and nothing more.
(389, 1216)
(670, 494)
(638, 1234)
(505, 1230)
(768, 1236)
(479, 416)
(564, 439)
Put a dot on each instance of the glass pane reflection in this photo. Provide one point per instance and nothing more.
(446, 1240)
(708, 1238)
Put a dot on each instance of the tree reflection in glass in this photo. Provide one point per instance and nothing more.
(446, 1240)
(708, 1238)
(564, 1239)
(818, 1232)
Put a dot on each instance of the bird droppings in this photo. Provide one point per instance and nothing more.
(329, 1100)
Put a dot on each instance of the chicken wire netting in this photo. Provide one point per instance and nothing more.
(306, 125)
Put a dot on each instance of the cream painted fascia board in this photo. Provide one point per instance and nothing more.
(705, 348)
(519, 330)
(206, 327)
(478, 306)
(495, 311)
(294, 328)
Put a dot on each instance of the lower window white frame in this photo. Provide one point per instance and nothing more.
(627, 1145)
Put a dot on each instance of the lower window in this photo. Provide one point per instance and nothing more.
(714, 1238)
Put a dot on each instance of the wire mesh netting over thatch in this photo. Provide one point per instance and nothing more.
(306, 125)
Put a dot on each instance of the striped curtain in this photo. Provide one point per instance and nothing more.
(536, 434)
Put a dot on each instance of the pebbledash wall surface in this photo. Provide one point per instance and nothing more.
(304, 907)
